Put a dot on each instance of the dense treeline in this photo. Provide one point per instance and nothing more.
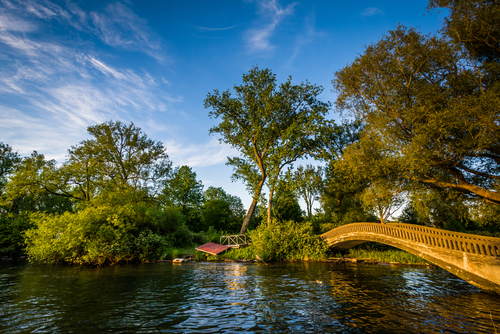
(419, 136)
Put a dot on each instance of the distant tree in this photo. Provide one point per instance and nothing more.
(34, 183)
(383, 199)
(126, 159)
(184, 191)
(272, 126)
(286, 205)
(409, 215)
(221, 210)
(307, 184)
(340, 199)
(8, 159)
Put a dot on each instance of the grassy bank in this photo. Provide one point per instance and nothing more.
(385, 256)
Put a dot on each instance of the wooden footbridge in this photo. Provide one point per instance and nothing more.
(474, 258)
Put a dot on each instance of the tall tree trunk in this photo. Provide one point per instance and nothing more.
(250, 211)
(269, 204)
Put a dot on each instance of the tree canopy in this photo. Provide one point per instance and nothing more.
(431, 114)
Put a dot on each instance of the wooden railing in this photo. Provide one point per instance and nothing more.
(432, 237)
(236, 240)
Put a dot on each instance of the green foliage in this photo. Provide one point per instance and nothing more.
(307, 183)
(272, 126)
(213, 235)
(104, 235)
(182, 190)
(286, 206)
(287, 240)
(454, 225)
(222, 211)
(12, 227)
(430, 111)
(386, 256)
(340, 199)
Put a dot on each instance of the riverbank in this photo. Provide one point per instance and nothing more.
(351, 256)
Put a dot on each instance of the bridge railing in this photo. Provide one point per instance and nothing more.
(432, 237)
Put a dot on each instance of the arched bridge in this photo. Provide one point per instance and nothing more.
(473, 258)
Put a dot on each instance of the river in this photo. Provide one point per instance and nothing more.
(209, 297)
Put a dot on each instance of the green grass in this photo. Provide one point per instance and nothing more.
(175, 252)
(386, 256)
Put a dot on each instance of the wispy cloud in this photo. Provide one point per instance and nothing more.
(61, 83)
(199, 155)
(105, 69)
(215, 29)
(307, 36)
(370, 11)
(271, 13)
(9, 23)
(119, 27)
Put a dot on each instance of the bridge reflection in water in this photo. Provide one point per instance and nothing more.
(474, 258)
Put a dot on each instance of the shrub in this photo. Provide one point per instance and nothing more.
(287, 240)
(105, 234)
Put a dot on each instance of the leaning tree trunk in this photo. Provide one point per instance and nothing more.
(246, 221)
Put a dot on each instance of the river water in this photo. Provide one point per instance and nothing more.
(208, 297)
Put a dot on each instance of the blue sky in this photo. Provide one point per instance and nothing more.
(65, 65)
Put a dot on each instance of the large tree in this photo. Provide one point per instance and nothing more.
(119, 159)
(271, 125)
(431, 109)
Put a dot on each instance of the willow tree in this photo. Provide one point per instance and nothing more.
(271, 125)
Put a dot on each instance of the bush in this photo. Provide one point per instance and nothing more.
(287, 240)
(105, 234)
(12, 227)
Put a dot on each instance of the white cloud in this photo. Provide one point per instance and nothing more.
(199, 155)
(370, 11)
(258, 38)
(106, 69)
(8, 23)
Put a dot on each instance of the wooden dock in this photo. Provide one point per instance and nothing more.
(226, 242)
(212, 248)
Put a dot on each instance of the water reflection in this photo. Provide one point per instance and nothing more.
(235, 297)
